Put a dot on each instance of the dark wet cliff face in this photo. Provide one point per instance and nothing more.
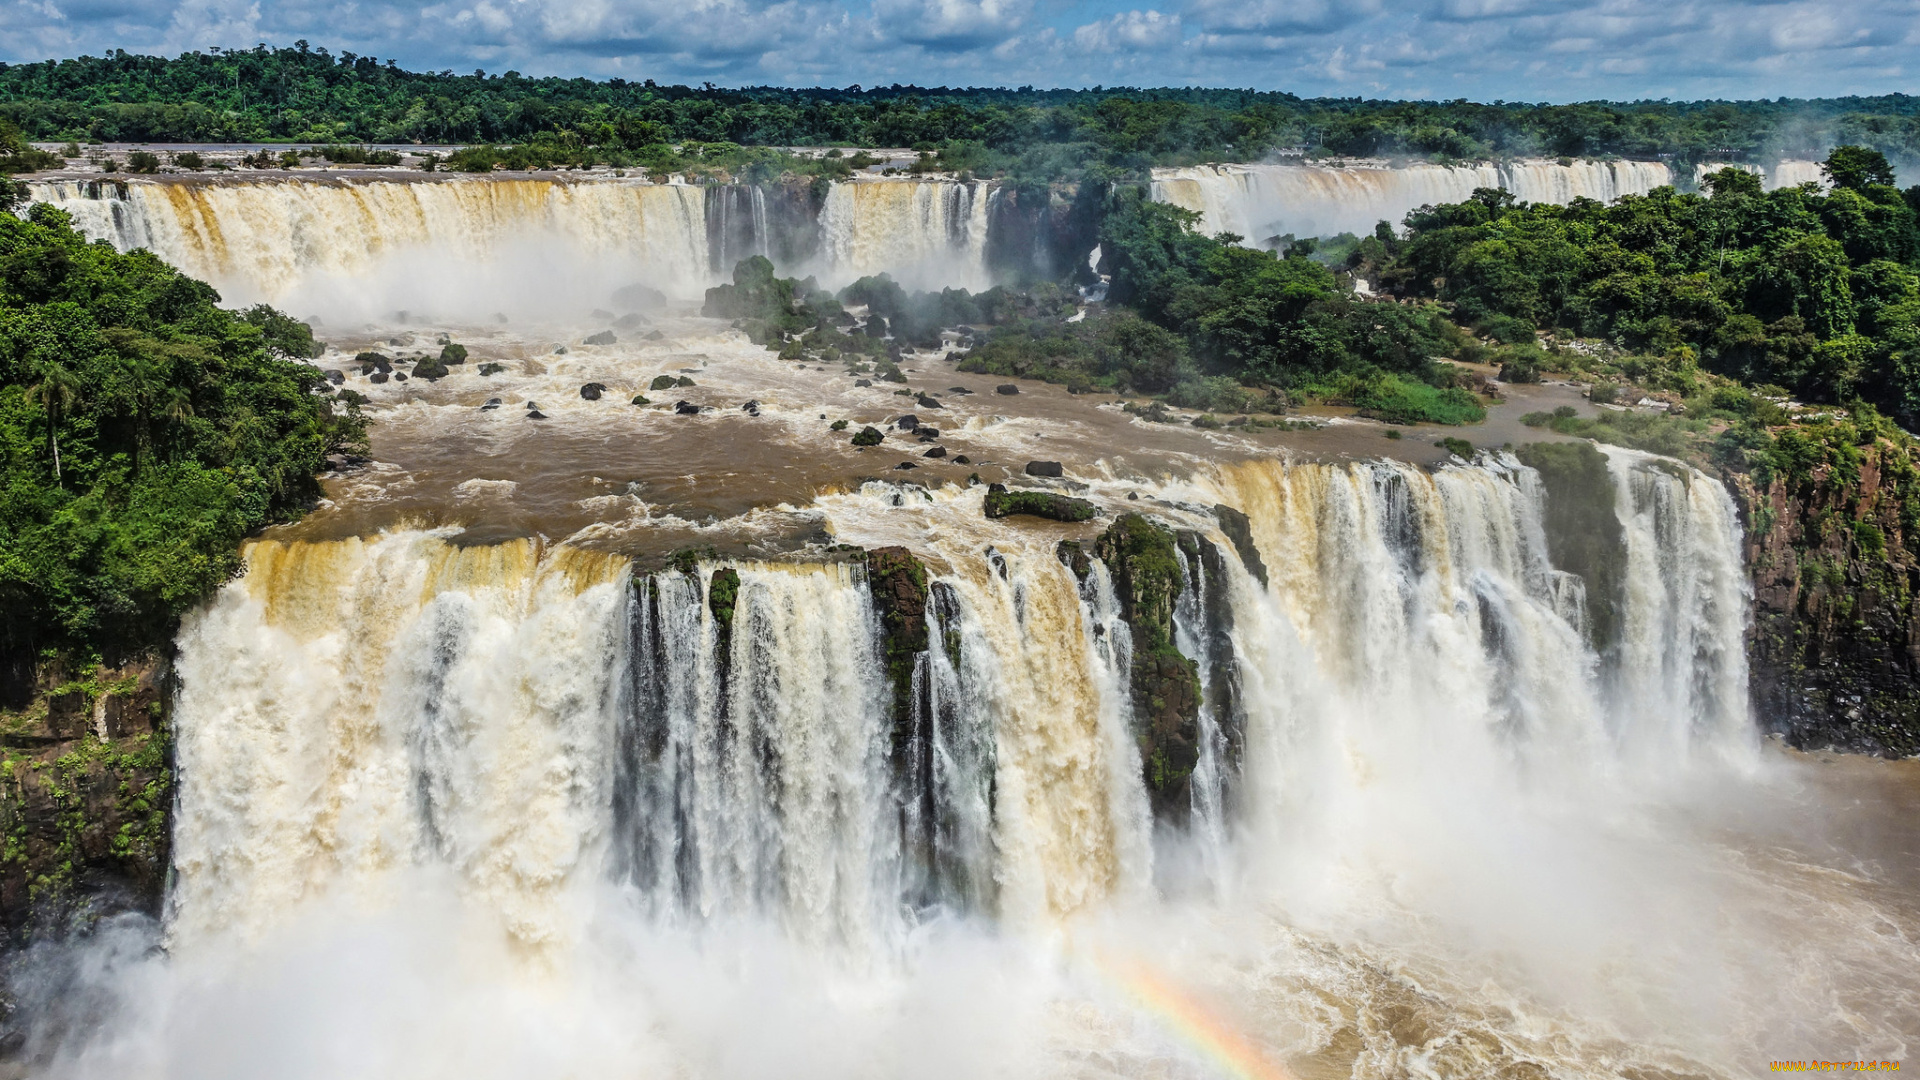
(86, 794)
(1834, 643)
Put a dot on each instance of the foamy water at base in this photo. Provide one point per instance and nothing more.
(524, 809)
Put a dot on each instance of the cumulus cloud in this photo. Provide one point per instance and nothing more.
(1136, 31)
(1517, 49)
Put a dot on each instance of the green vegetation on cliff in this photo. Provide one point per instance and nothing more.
(144, 432)
(1144, 560)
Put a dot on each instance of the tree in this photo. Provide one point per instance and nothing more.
(56, 393)
(1856, 167)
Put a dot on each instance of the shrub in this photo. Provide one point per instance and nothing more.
(142, 161)
(1458, 447)
(868, 436)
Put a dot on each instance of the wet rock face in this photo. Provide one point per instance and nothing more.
(1145, 565)
(1834, 643)
(898, 582)
(85, 799)
(1583, 531)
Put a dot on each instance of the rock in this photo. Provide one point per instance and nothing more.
(641, 399)
(958, 390)
(560, 350)
(927, 434)
(604, 337)
(336, 377)
(430, 370)
(868, 436)
(926, 402)
(378, 377)
(488, 369)
(643, 297)
(962, 459)
(1001, 503)
(1133, 496)
(907, 423)
(656, 336)
(1073, 555)
(592, 391)
(936, 452)
(905, 465)
(661, 382)
(532, 404)
(1583, 532)
(1144, 562)
(453, 354)
(751, 408)
(1006, 388)
(536, 415)
(686, 408)
(1240, 531)
(371, 362)
(682, 381)
(1045, 468)
(863, 382)
(399, 376)
(898, 583)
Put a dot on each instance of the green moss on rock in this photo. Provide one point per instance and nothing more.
(1002, 503)
(1145, 565)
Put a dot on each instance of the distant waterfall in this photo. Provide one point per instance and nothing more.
(467, 248)
(1259, 202)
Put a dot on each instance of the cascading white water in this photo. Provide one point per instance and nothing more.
(457, 248)
(1420, 786)
(1258, 202)
(928, 234)
(463, 249)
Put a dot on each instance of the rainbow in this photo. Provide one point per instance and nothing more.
(1191, 1020)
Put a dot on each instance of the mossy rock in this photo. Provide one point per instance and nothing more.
(1144, 562)
(661, 382)
(868, 436)
(1002, 503)
(1583, 531)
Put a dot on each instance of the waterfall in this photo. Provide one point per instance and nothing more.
(926, 233)
(466, 248)
(564, 812)
(1259, 202)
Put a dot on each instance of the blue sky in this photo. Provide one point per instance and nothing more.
(1532, 50)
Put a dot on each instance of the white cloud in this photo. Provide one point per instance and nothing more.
(951, 24)
(1137, 31)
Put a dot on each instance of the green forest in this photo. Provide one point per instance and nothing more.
(144, 431)
(308, 95)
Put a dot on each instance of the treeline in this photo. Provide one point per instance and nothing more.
(143, 432)
(303, 94)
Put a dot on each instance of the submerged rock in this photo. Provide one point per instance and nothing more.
(686, 408)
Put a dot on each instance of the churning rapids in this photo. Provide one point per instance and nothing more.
(460, 799)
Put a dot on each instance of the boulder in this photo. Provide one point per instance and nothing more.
(936, 452)
(863, 382)
(867, 436)
(1006, 388)
(536, 414)
(430, 370)
(336, 377)
(905, 465)
(1001, 503)
(926, 402)
(958, 390)
(377, 377)
(686, 408)
(907, 423)
(1045, 468)
(592, 391)
(604, 337)
(661, 382)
